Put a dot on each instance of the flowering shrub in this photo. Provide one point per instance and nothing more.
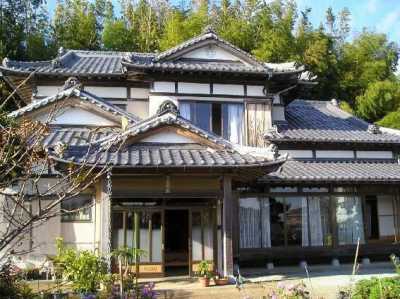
(290, 291)
(148, 291)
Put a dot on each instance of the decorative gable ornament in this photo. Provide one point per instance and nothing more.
(167, 107)
(72, 82)
(374, 129)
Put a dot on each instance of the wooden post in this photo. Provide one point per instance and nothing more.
(227, 226)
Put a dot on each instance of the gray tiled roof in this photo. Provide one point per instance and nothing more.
(74, 62)
(74, 136)
(319, 121)
(111, 63)
(119, 150)
(335, 171)
(162, 155)
(80, 94)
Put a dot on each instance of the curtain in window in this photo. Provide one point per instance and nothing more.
(265, 223)
(186, 109)
(233, 122)
(349, 220)
(315, 221)
(250, 226)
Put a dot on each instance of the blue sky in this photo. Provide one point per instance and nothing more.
(380, 15)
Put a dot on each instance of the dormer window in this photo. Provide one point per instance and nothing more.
(223, 119)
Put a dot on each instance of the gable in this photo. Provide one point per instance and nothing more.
(73, 115)
(212, 52)
(167, 136)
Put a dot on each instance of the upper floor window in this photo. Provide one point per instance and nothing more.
(223, 119)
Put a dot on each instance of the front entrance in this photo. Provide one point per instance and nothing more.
(176, 234)
(176, 244)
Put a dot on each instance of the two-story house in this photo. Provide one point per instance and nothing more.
(217, 159)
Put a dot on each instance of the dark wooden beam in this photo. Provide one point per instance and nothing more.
(227, 210)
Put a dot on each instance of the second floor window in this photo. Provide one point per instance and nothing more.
(223, 119)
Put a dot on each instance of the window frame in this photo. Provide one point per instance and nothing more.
(67, 217)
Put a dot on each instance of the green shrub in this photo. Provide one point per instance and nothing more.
(84, 269)
(375, 288)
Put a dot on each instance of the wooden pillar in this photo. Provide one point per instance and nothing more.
(227, 226)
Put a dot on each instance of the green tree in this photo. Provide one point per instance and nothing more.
(275, 23)
(75, 25)
(379, 99)
(117, 36)
(173, 32)
(367, 59)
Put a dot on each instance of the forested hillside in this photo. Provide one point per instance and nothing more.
(358, 70)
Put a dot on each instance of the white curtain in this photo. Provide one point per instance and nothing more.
(234, 123)
(265, 223)
(314, 210)
(185, 110)
(349, 219)
(249, 218)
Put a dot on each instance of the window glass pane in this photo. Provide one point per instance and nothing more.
(282, 189)
(386, 215)
(318, 211)
(216, 118)
(296, 223)
(196, 237)
(250, 223)
(80, 208)
(129, 230)
(186, 110)
(144, 218)
(117, 230)
(277, 210)
(203, 116)
(208, 234)
(156, 237)
(349, 219)
(232, 115)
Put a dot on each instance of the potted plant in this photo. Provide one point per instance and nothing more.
(220, 280)
(204, 273)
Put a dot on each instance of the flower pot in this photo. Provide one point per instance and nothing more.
(222, 281)
(204, 281)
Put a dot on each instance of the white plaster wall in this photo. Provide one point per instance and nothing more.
(76, 116)
(45, 234)
(163, 86)
(139, 108)
(297, 153)
(210, 99)
(385, 215)
(47, 91)
(334, 154)
(278, 113)
(255, 90)
(212, 52)
(375, 154)
(107, 92)
(139, 93)
(229, 89)
(156, 101)
(197, 88)
(79, 234)
(167, 137)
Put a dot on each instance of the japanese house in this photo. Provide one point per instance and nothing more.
(214, 156)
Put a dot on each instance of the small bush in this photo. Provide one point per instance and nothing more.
(375, 288)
